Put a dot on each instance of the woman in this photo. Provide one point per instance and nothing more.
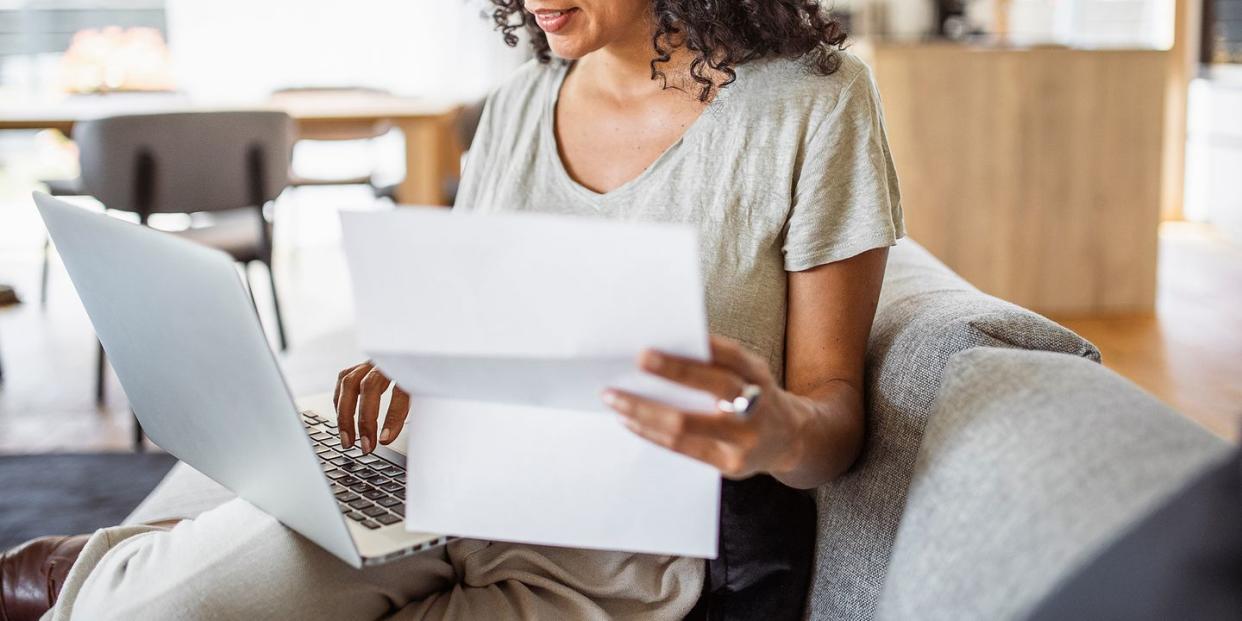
(743, 119)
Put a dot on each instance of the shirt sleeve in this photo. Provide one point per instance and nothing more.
(845, 200)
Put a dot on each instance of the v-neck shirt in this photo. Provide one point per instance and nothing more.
(784, 171)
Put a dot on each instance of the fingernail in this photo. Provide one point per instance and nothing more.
(653, 361)
(621, 405)
(610, 399)
(345, 441)
(385, 436)
(366, 444)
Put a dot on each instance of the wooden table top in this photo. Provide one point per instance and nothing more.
(317, 107)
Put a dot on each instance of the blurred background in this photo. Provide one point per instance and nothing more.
(1082, 158)
(358, 81)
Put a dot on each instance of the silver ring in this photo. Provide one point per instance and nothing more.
(742, 405)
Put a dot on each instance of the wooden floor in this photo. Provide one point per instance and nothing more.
(1189, 354)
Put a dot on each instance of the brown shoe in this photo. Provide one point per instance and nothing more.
(32, 574)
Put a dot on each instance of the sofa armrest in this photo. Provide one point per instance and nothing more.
(925, 316)
(1031, 463)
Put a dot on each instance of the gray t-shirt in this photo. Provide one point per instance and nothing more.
(785, 171)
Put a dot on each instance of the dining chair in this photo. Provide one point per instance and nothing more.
(8, 297)
(59, 188)
(220, 168)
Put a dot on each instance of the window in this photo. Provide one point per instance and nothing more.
(37, 27)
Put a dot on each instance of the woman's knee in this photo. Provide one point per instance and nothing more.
(226, 564)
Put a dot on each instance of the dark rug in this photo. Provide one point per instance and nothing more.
(72, 494)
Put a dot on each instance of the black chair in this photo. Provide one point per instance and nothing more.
(7, 297)
(59, 188)
(221, 168)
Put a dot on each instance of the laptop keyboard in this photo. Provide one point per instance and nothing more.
(369, 490)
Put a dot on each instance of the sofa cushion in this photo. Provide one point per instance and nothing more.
(1031, 463)
(925, 316)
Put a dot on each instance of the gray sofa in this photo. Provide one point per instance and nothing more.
(1000, 457)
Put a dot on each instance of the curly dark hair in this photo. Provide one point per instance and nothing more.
(722, 34)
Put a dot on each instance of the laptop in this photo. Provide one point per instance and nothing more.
(181, 331)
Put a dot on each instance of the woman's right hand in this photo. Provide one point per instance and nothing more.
(357, 395)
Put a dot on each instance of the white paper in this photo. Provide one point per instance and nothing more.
(506, 329)
(554, 477)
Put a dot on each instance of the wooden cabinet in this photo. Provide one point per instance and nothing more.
(1036, 174)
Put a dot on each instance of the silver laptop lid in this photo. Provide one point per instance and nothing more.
(184, 340)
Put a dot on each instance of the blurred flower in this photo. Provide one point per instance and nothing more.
(116, 59)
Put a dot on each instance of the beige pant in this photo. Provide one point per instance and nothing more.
(236, 562)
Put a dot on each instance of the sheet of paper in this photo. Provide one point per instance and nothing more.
(530, 309)
(554, 477)
(506, 329)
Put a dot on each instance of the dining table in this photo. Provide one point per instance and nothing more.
(432, 147)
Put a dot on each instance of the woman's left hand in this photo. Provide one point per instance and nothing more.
(766, 440)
